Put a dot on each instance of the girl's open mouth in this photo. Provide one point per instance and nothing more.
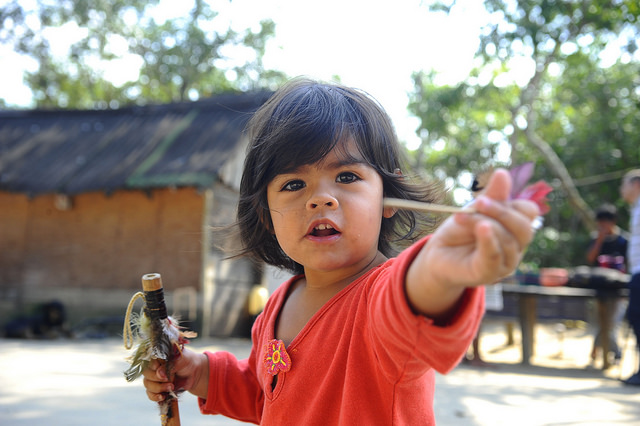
(323, 230)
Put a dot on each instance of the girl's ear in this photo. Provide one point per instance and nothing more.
(388, 212)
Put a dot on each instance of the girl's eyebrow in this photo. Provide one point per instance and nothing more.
(349, 161)
(339, 163)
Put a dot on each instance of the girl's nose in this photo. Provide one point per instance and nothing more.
(322, 200)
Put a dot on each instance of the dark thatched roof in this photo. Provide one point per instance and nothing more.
(75, 151)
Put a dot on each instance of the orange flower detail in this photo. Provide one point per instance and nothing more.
(536, 192)
(276, 358)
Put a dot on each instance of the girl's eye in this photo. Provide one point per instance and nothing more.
(347, 177)
(293, 185)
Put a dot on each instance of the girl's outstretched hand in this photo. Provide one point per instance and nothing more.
(469, 250)
(191, 371)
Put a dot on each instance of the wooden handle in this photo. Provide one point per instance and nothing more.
(152, 283)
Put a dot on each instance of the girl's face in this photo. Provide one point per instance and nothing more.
(327, 216)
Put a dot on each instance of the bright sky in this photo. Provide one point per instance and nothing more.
(374, 45)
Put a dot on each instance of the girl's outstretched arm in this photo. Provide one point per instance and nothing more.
(470, 250)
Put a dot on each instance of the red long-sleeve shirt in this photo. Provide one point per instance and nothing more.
(363, 358)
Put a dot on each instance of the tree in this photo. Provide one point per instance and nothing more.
(577, 114)
(182, 58)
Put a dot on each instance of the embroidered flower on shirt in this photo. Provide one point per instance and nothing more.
(536, 192)
(276, 358)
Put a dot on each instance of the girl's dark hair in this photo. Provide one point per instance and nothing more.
(299, 125)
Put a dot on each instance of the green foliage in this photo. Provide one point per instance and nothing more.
(459, 125)
(577, 101)
(182, 58)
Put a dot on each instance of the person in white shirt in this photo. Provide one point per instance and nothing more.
(630, 192)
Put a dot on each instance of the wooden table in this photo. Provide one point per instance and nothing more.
(528, 316)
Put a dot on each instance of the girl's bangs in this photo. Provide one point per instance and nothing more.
(317, 131)
(311, 121)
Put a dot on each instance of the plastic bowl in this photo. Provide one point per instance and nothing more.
(553, 277)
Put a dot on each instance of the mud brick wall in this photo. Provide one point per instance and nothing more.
(93, 252)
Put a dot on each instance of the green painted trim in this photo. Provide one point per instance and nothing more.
(163, 146)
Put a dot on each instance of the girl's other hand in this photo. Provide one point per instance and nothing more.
(191, 373)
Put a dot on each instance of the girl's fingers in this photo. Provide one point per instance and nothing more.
(494, 251)
(156, 382)
(155, 371)
(514, 216)
(157, 397)
(499, 185)
(527, 208)
(155, 390)
(498, 252)
(488, 246)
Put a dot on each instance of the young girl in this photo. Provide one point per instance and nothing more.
(356, 335)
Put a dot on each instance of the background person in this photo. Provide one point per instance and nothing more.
(630, 192)
(608, 249)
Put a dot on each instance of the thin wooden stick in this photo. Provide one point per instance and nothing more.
(424, 207)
